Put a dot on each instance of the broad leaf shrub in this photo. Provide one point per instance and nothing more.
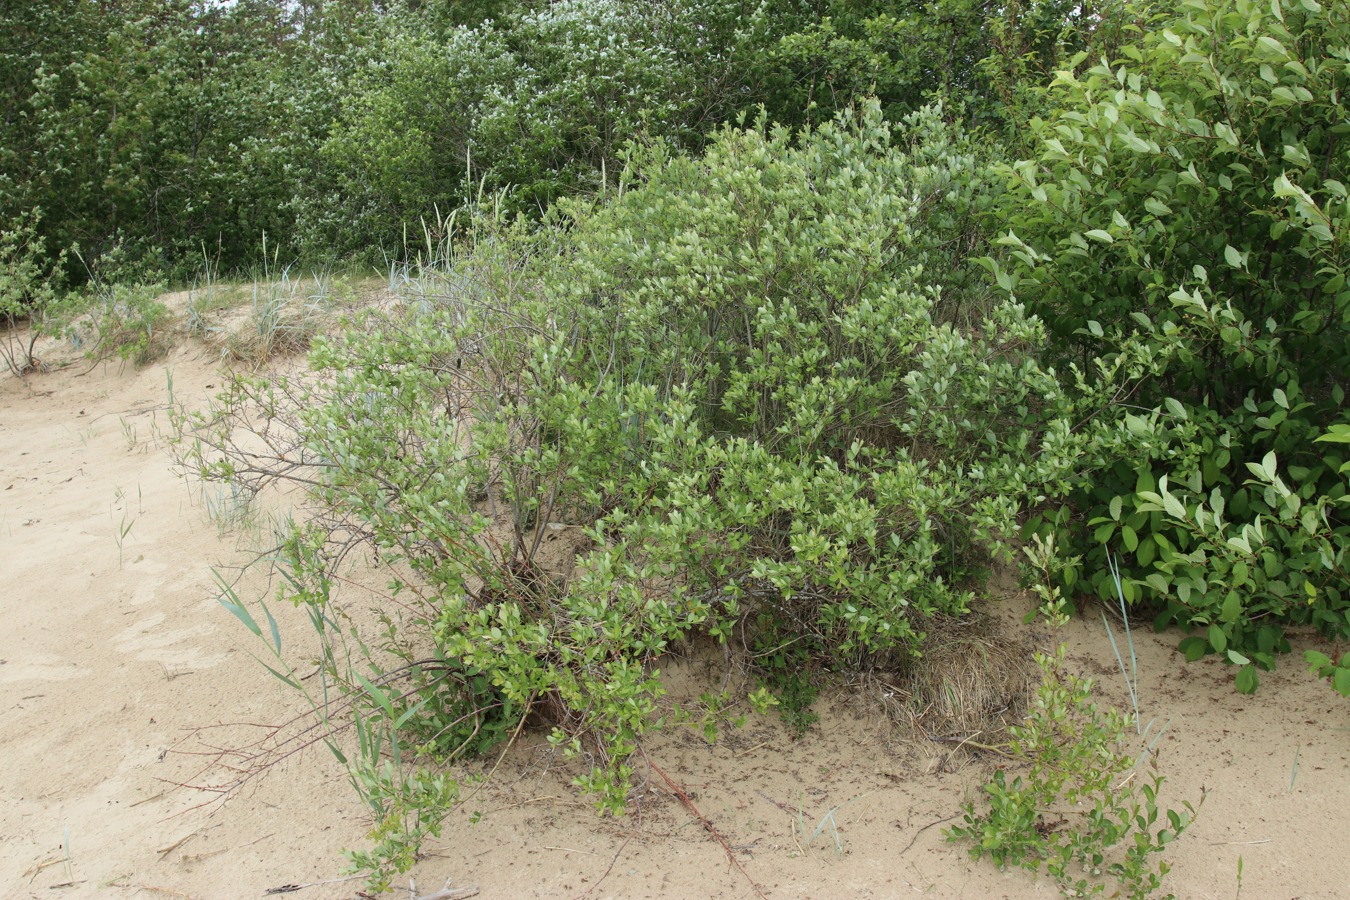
(1191, 193)
(732, 395)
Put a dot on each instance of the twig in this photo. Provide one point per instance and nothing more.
(708, 826)
(970, 742)
(292, 888)
(1239, 843)
(176, 844)
(783, 806)
(445, 893)
(147, 799)
(617, 853)
(168, 892)
(525, 714)
(569, 850)
(925, 828)
(36, 870)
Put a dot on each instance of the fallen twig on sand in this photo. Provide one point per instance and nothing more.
(445, 893)
(610, 868)
(914, 839)
(708, 826)
(292, 888)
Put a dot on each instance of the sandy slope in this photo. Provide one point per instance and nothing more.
(113, 652)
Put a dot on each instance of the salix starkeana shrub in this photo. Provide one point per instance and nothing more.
(732, 392)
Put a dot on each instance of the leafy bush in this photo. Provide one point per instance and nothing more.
(1084, 809)
(27, 291)
(119, 312)
(1191, 195)
(726, 396)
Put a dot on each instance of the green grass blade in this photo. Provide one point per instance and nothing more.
(230, 600)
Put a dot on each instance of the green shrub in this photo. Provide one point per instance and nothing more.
(28, 281)
(1084, 809)
(537, 105)
(118, 314)
(727, 395)
(1190, 195)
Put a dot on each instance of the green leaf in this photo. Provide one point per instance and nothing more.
(377, 695)
(1269, 44)
(1099, 235)
(1193, 648)
(1341, 682)
(1218, 638)
(230, 600)
(1157, 207)
(1247, 680)
(1317, 661)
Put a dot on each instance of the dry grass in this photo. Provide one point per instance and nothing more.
(970, 683)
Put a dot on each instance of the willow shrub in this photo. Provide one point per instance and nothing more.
(735, 392)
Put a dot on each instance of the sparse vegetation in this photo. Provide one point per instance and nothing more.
(1086, 808)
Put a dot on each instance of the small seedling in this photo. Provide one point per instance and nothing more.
(129, 434)
(123, 529)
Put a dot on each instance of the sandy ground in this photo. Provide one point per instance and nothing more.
(114, 654)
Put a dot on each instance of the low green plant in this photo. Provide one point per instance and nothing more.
(1338, 673)
(1085, 809)
(285, 311)
(787, 664)
(122, 320)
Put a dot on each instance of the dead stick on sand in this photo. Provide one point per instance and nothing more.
(617, 854)
(445, 893)
(708, 826)
(291, 888)
(914, 839)
(176, 844)
(1239, 843)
